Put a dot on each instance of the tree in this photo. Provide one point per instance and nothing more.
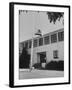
(24, 59)
(54, 16)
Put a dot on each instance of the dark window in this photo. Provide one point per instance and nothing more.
(30, 42)
(61, 36)
(53, 38)
(46, 40)
(40, 41)
(35, 43)
(55, 54)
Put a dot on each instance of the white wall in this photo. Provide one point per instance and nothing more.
(49, 51)
(4, 45)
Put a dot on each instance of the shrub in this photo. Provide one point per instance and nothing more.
(61, 65)
(37, 65)
(51, 65)
(24, 59)
(55, 65)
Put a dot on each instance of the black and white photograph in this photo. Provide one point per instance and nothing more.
(41, 44)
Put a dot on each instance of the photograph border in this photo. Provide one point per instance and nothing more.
(11, 42)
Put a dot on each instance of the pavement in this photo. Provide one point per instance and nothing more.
(27, 74)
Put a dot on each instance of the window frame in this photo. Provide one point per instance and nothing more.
(53, 39)
(55, 54)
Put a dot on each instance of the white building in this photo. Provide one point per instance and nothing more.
(48, 47)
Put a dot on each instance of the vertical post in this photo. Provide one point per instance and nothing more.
(31, 55)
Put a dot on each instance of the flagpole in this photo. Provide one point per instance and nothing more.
(31, 59)
(31, 55)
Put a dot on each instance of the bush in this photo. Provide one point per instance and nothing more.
(61, 65)
(24, 59)
(54, 65)
(37, 65)
(51, 65)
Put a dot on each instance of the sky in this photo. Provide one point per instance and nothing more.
(31, 21)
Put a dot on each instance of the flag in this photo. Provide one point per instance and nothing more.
(38, 33)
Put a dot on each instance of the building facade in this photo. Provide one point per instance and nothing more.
(47, 47)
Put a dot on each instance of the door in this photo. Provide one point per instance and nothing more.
(41, 57)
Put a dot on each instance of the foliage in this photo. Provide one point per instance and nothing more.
(53, 16)
(52, 65)
(37, 65)
(24, 59)
(55, 65)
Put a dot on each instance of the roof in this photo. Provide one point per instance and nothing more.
(47, 34)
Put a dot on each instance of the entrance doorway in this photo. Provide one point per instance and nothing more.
(41, 57)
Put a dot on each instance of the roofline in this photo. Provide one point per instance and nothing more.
(62, 29)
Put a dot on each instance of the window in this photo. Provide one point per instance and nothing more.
(61, 36)
(30, 42)
(46, 40)
(40, 41)
(53, 38)
(35, 43)
(55, 54)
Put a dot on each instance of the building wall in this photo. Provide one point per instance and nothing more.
(49, 52)
(49, 48)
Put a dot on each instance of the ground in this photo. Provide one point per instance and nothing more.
(27, 74)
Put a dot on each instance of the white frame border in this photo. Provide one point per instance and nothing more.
(16, 46)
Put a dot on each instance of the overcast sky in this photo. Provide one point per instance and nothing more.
(31, 21)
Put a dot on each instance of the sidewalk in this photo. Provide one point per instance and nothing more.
(27, 74)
